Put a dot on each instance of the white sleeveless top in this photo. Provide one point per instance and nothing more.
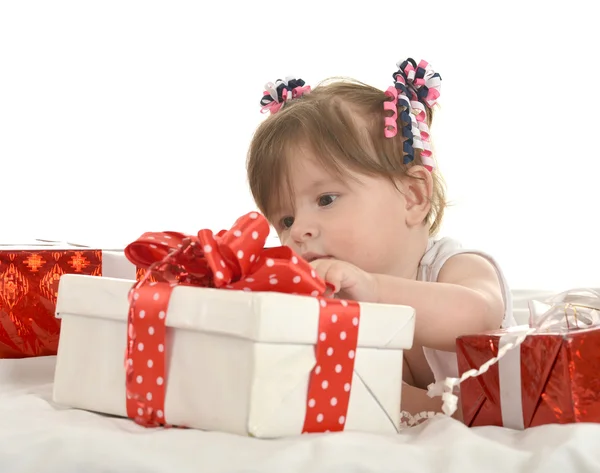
(444, 364)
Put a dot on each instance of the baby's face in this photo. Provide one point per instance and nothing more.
(361, 222)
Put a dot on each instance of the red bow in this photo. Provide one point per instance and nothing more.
(233, 259)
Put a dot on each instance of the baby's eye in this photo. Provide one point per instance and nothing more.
(326, 200)
(287, 222)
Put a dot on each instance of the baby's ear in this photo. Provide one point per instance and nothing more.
(417, 189)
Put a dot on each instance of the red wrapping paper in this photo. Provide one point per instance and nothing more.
(28, 290)
(559, 380)
(234, 260)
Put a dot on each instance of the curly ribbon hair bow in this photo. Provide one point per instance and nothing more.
(415, 88)
(276, 95)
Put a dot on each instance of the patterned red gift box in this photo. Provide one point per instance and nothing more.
(29, 276)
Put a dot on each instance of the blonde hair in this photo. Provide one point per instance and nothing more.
(342, 122)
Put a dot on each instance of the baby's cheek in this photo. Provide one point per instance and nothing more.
(367, 257)
(380, 256)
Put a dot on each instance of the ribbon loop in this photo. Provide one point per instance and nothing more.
(569, 310)
(232, 259)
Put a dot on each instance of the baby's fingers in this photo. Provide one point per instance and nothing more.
(330, 274)
(323, 270)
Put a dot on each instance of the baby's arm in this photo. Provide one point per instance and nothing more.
(466, 299)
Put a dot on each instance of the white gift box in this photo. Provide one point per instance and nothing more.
(236, 361)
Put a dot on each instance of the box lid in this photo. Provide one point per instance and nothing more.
(51, 245)
(269, 317)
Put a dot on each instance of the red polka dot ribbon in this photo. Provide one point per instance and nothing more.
(331, 378)
(232, 259)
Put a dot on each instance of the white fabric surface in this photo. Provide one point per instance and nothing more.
(38, 436)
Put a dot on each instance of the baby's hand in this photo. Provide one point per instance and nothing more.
(349, 281)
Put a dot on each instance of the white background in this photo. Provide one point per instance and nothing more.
(121, 117)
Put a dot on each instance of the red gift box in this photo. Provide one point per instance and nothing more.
(29, 278)
(551, 378)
